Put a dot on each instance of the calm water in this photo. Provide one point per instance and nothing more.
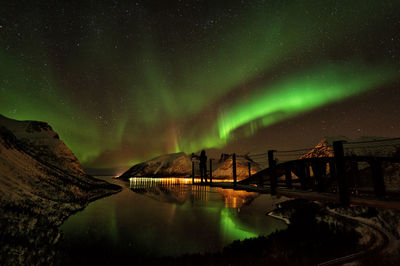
(165, 217)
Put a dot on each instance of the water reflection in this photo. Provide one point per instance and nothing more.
(180, 190)
(236, 198)
(164, 217)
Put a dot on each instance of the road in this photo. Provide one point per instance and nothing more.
(378, 243)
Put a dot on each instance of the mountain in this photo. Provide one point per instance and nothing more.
(41, 184)
(322, 149)
(180, 165)
(169, 165)
(225, 167)
(40, 141)
(363, 146)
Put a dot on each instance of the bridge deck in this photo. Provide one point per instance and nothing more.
(311, 195)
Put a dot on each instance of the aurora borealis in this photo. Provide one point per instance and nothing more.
(122, 82)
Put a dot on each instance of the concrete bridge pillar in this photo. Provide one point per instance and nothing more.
(192, 172)
(210, 170)
(332, 168)
(377, 178)
(319, 170)
(302, 174)
(234, 169)
(288, 177)
(341, 172)
(272, 167)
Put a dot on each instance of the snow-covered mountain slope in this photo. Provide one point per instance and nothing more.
(363, 146)
(41, 183)
(40, 141)
(225, 167)
(322, 149)
(180, 165)
(169, 165)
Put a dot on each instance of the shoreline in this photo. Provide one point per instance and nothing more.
(242, 246)
(31, 224)
(90, 200)
(271, 214)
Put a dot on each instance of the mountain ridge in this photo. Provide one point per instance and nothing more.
(41, 184)
(180, 165)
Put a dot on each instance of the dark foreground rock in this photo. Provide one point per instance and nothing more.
(307, 241)
(41, 184)
(315, 234)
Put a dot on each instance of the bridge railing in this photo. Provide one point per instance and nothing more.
(211, 166)
(346, 168)
(373, 148)
(229, 166)
(353, 168)
(373, 165)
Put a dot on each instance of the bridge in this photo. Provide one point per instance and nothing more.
(360, 173)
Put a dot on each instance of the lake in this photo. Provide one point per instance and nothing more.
(156, 217)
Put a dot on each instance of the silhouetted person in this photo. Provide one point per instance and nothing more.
(203, 165)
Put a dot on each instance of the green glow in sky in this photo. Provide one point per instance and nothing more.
(299, 93)
(156, 81)
(28, 94)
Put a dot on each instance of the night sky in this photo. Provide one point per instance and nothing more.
(122, 82)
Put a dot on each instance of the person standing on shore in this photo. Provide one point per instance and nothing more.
(203, 165)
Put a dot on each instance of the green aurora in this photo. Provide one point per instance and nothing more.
(301, 93)
(119, 91)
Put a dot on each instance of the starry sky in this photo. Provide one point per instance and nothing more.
(124, 81)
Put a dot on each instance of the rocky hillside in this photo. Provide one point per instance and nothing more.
(225, 167)
(169, 165)
(378, 229)
(180, 165)
(322, 149)
(365, 146)
(41, 184)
